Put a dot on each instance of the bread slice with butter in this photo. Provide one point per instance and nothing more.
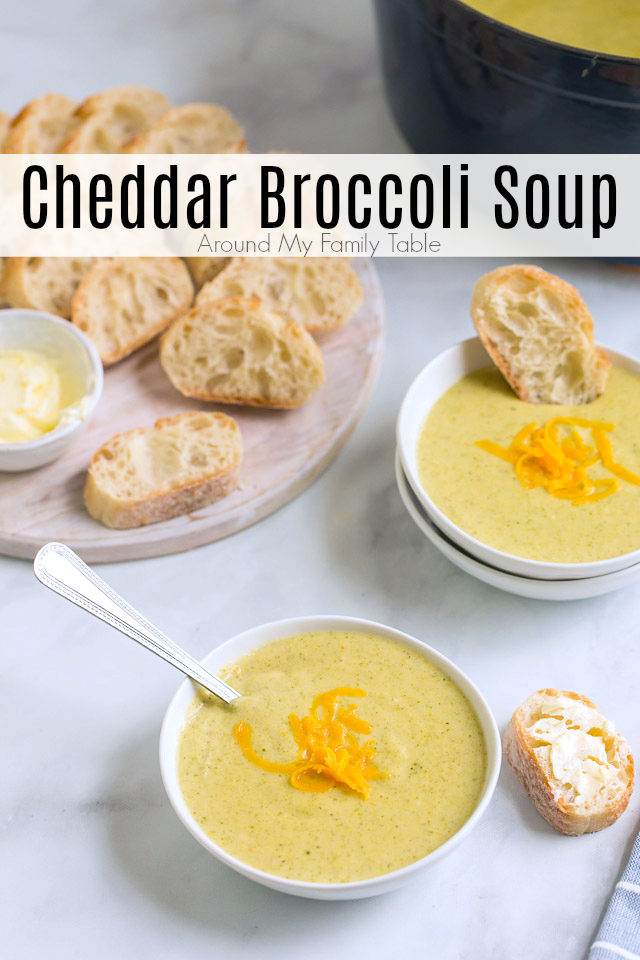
(538, 331)
(123, 303)
(191, 128)
(149, 474)
(106, 121)
(236, 351)
(42, 125)
(319, 293)
(44, 283)
(577, 770)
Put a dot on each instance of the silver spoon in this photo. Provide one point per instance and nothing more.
(60, 569)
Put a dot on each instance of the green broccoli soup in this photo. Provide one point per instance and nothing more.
(348, 756)
(548, 482)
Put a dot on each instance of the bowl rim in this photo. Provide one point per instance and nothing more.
(477, 548)
(58, 433)
(172, 726)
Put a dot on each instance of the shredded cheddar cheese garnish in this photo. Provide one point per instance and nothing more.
(542, 457)
(328, 751)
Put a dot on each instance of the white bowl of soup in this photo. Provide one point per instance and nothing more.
(476, 498)
(50, 383)
(419, 764)
(532, 589)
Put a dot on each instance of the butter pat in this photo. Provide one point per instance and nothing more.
(572, 738)
(36, 396)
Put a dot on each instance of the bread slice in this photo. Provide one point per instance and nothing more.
(44, 283)
(3, 300)
(154, 473)
(5, 121)
(538, 331)
(319, 293)
(203, 269)
(42, 125)
(236, 351)
(125, 302)
(191, 128)
(106, 121)
(577, 770)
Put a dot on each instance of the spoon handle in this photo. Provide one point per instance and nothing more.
(60, 569)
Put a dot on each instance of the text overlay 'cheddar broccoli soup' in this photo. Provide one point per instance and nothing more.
(564, 485)
(348, 756)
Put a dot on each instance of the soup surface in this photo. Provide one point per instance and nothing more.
(428, 739)
(482, 494)
(604, 26)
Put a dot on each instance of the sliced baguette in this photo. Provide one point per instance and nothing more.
(106, 121)
(42, 125)
(123, 303)
(538, 331)
(319, 293)
(582, 784)
(203, 269)
(154, 473)
(236, 351)
(44, 283)
(5, 121)
(191, 128)
(3, 300)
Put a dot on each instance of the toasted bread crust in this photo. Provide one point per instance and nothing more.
(5, 121)
(563, 816)
(279, 283)
(185, 499)
(96, 129)
(191, 128)
(41, 125)
(203, 269)
(44, 283)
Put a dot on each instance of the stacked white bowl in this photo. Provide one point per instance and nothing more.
(23, 329)
(529, 578)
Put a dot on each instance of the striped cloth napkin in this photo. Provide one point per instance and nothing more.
(619, 933)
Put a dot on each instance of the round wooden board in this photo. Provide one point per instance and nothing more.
(284, 451)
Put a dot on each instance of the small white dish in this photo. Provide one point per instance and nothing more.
(509, 582)
(257, 637)
(32, 330)
(440, 374)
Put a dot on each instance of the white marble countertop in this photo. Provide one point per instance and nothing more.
(94, 861)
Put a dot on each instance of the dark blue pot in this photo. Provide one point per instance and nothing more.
(459, 82)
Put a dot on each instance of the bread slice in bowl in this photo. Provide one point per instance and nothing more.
(123, 303)
(108, 120)
(42, 125)
(150, 474)
(539, 333)
(319, 293)
(44, 283)
(191, 128)
(577, 771)
(236, 351)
